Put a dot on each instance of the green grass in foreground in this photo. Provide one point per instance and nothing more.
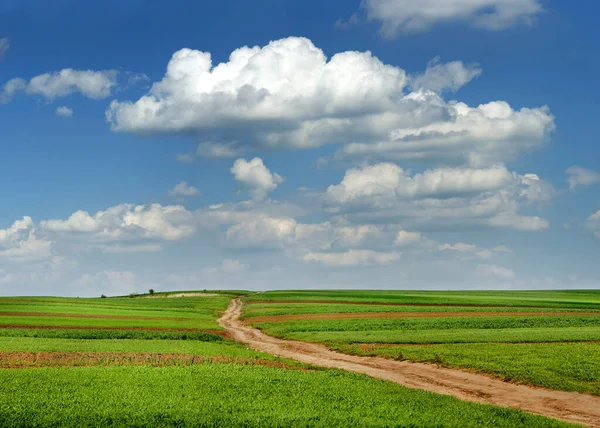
(232, 395)
(566, 366)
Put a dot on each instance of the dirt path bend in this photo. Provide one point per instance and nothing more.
(567, 406)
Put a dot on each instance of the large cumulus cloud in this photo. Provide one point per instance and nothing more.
(289, 94)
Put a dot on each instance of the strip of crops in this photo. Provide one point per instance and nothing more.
(102, 322)
(227, 348)
(587, 299)
(433, 336)
(231, 395)
(270, 309)
(458, 323)
(93, 334)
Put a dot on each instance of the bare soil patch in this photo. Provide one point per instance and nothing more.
(567, 406)
(393, 315)
(20, 360)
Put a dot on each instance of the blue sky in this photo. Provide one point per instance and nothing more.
(460, 152)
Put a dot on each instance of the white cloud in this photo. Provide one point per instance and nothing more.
(64, 111)
(353, 258)
(389, 181)
(480, 136)
(478, 252)
(4, 46)
(19, 243)
(256, 177)
(458, 247)
(227, 266)
(289, 94)
(438, 77)
(128, 222)
(406, 16)
(263, 232)
(183, 189)
(215, 150)
(491, 196)
(404, 238)
(121, 249)
(487, 271)
(593, 222)
(579, 176)
(92, 84)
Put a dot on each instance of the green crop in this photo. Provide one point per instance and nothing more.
(231, 395)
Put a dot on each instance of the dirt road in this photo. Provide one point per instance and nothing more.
(567, 406)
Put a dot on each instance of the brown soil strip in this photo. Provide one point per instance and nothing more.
(393, 315)
(567, 406)
(426, 305)
(88, 327)
(19, 360)
(111, 317)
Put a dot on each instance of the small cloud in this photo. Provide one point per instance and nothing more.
(233, 265)
(255, 176)
(121, 249)
(342, 24)
(579, 176)
(4, 46)
(218, 150)
(185, 157)
(183, 189)
(492, 271)
(64, 111)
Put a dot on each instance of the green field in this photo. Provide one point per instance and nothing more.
(559, 351)
(167, 362)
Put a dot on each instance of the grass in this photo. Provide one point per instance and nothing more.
(433, 336)
(231, 395)
(90, 334)
(268, 309)
(548, 351)
(570, 367)
(228, 348)
(120, 390)
(582, 299)
(408, 324)
(102, 322)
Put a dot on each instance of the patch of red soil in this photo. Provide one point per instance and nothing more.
(20, 360)
(111, 317)
(394, 315)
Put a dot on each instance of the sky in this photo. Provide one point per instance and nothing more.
(374, 144)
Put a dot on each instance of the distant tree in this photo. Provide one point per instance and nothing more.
(151, 291)
(132, 295)
(103, 296)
